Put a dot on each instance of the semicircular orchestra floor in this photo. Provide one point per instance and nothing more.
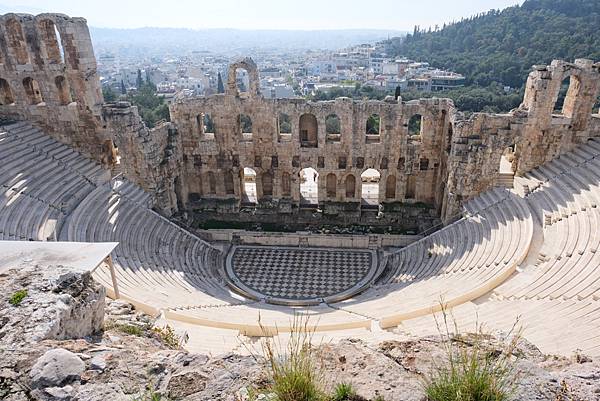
(299, 276)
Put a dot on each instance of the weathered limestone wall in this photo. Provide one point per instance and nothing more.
(48, 76)
(150, 157)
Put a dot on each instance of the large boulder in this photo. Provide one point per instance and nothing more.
(56, 368)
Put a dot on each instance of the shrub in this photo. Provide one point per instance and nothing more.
(126, 328)
(150, 395)
(473, 371)
(17, 297)
(343, 392)
(292, 369)
(169, 337)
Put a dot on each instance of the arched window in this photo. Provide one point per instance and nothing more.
(415, 127)
(350, 186)
(411, 186)
(308, 131)
(199, 123)
(309, 187)
(228, 181)
(373, 126)
(333, 128)
(32, 90)
(249, 185)
(212, 183)
(370, 187)
(286, 185)
(52, 41)
(267, 184)
(331, 186)
(64, 95)
(16, 41)
(208, 125)
(6, 96)
(245, 126)
(242, 80)
(567, 95)
(390, 187)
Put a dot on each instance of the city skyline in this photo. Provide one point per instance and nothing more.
(262, 14)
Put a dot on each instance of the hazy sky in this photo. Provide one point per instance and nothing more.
(261, 14)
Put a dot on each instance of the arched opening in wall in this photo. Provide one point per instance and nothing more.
(309, 186)
(52, 42)
(245, 126)
(567, 94)
(212, 183)
(242, 80)
(333, 128)
(350, 185)
(449, 138)
(370, 187)
(6, 96)
(411, 187)
(32, 91)
(308, 131)
(373, 129)
(228, 183)
(331, 184)
(506, 171)
(267, 184)
(390, 187)
(208, 125)
(284, 127)
(249, 185)
(16, 41)
(286, 184)
(64, 95)
(415, 127)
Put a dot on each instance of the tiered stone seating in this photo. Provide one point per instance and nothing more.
(158, 264)
(41, 181)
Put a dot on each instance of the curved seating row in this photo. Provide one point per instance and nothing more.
(41, 182)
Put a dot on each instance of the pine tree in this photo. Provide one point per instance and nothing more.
(397, 92)
(123, 90)
(139, 81)
(220, 86)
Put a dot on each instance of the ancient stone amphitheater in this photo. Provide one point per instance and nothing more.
(511, 247)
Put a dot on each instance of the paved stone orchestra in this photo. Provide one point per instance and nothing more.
(297, 274)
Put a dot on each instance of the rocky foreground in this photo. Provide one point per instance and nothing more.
(62, 340)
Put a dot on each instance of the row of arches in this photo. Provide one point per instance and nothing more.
(33, 92)
(48, 34)
(308, 127)
(344, 187)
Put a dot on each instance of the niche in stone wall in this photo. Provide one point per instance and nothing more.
(16, 41)
(6, 96)
(62, 90)
(32, 91)
(350, 185)
(228, 181)
(286, 185)
(411, 187)
(390, 187)
(331, 185)
(333, 128)
(308, 131)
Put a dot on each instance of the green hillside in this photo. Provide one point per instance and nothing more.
(501, 46)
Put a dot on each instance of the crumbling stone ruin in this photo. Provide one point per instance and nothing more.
(424, 151)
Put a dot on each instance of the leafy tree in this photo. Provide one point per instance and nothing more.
(152, 108)
(108, 94)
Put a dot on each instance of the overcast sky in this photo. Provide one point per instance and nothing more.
(261, 14)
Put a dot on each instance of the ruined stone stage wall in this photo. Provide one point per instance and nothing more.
(48, 76)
